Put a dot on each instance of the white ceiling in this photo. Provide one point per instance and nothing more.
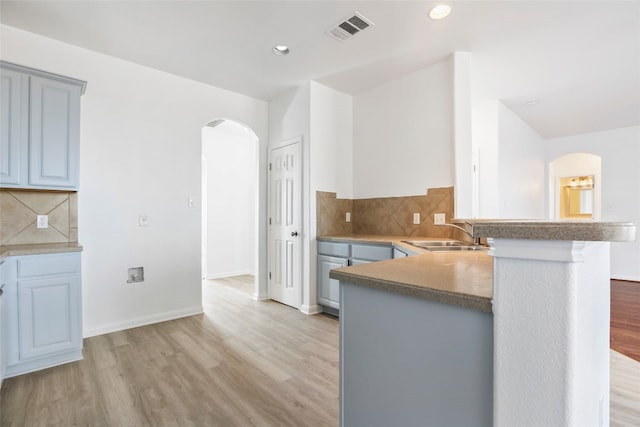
(580, 59)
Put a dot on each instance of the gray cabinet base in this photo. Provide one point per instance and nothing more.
(407, 361)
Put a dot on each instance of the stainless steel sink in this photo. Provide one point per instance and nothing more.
(456, 248)
(445, 245)
(432, 243)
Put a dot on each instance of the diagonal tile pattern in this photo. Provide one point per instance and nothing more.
(386, 215)
(18, 210)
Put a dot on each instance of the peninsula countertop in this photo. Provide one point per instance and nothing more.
(458, 278)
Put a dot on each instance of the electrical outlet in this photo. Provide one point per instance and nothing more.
(438, 219)
(143, 221)
(416, 218)
(348, 217)
(42, 221)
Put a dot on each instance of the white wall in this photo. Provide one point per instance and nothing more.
(521, 168)
(231, 157)
(511, 163)
(402, 135)
(620, 193)
(331, 116)
(140, 153)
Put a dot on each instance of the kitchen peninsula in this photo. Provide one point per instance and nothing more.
(538, 357)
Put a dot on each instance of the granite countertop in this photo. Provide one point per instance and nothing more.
(585, 231)
(39, 249)
(458, 278)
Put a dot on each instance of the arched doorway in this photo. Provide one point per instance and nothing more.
(229, 199)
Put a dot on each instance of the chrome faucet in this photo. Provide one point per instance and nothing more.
(476, 240)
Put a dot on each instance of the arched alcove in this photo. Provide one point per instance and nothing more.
(575, 184)
(229, 199)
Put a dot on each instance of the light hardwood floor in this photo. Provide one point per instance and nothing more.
(241, 363)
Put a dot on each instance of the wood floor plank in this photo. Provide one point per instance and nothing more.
(625, 318)
(240, 363)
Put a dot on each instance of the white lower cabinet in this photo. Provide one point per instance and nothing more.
(43, 300)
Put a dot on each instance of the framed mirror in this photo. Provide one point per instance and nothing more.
(576, 201)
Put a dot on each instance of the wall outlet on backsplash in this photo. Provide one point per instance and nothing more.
(347, 217)
(438, 219)
(42, 221)
(416, 218)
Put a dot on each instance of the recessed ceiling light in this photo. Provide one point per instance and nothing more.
(280, 50)
(440, 11)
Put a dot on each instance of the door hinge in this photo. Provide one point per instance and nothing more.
(269, 220)
(269, 275)
(269, 166)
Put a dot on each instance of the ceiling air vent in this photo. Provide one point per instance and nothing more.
(349, 27)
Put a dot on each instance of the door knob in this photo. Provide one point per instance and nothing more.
(294, 233)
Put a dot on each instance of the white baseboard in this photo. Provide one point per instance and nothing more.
(260, 296)
(228, 274)
(310, 309)
(142, 321)
(627, 278)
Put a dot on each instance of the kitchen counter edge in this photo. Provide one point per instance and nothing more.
(406, 276)
(38, 249)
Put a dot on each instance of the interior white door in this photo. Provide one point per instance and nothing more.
(285, 234)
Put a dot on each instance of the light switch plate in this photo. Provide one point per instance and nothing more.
(42, 221)
(438, 219)
(191, 202)
(143, 221)
(416, 218)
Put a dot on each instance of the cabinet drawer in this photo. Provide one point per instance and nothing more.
(371, 252)
(48, 265)
(335, 249)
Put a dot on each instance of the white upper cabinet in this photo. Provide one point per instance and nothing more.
(40, 136)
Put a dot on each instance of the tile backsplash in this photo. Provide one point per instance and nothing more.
(391, 216)
(18, 210)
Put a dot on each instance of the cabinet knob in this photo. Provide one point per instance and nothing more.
(294, 233)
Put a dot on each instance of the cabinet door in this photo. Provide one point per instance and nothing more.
(3, 322)
(49, 315)
(329, 289)
(12, 129)
(54, 138)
